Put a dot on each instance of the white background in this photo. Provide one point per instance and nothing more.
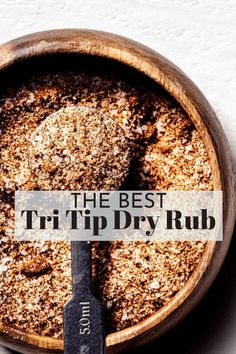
(197, 35)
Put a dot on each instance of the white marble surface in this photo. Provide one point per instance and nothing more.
(197, 35)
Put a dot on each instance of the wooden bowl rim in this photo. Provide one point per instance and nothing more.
(174, 81)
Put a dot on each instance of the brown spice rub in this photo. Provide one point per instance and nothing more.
(132, 279)
(31, 105)
(176, 158)
(77, 148)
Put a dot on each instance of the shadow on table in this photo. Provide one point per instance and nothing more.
(210, 328)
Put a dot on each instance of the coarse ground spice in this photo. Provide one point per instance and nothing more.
(133, 279)
(78, 148)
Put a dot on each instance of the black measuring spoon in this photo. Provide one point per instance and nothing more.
(83, 314)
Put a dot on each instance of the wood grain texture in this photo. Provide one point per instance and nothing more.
(174, 81)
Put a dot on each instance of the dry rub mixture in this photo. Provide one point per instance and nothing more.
(149, 142)
(72, 150)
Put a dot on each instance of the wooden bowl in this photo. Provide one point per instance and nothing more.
(153, 65)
